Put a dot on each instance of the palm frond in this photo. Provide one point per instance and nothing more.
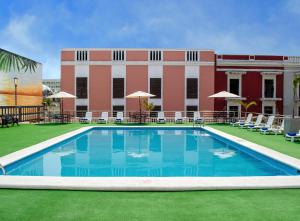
(10, 61)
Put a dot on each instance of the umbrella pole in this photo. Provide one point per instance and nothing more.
(140, 110)
(62, 106)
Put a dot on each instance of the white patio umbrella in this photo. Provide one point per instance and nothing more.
(224, 94)
(61, 95)
(139, 95)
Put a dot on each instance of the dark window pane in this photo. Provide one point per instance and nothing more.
(192, 88)
(269, 88)
(155, 87)
(117, 108)
(190, 111)
(268, 109)
(118, 88)
(81, 87)
(155, 110)
(234, 86)
(80, 110)
(233, 111)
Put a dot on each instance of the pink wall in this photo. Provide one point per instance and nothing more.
(136, 55)
(68, 85)
(100, 88)
(207, 56)
(136, 80)
(67, 55)
(174, 55)
(173, 88)
(100, 55)
(207, 87)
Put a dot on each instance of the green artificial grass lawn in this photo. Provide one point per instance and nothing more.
(275, 142)
(242, 205)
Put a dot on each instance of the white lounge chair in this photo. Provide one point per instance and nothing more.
(178, 118)
(257, 123)
(278, 130)
(87, 118)
(161, 118)
(197, 118)
(103, 118)
(243, 122)
(119, 118)
(268, 125)
(292, 136)
(273, 130)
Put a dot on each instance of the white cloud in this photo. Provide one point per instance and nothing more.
(19, 32)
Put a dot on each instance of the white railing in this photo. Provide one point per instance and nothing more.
(131, 116)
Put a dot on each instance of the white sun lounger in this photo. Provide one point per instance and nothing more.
(119, 118)
(178, 118)
(273, 130)
(87, 118)
(266, 126)
(161, 118)
(243, 122)
(257, 123)
(197, 118)
(103, 118)
(292, 138)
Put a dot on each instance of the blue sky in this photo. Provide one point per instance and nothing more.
(39, 29)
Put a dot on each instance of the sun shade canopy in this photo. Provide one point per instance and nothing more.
(62, 94)
(224, 94)
(139, 94)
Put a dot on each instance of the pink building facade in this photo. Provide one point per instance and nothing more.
(181, 79)
(101, 78)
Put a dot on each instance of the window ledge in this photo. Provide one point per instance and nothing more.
(271, 99)
(240, 98)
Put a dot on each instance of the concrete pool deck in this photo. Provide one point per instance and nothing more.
(149, 183)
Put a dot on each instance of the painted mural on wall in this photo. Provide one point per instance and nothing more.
(29, 90)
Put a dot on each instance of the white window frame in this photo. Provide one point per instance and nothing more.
(234, 76)
(268, 77)
(268, 103)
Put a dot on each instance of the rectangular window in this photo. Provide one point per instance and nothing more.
(268, 110)
(118, 87)
(80, 110)
(81, 55)
(155, 56)
(269, 88)
(155, 87)
(234, 86)
(155, 110)
(118, 55)
(233, 111)
(299, 111)
(81, 87)
(192, 56)
(192, 88)
(117, 108)
(190, 110)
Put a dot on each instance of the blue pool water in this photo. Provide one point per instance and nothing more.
(148, 153)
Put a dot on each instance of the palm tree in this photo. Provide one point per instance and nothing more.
(10, 61)
(296, 82)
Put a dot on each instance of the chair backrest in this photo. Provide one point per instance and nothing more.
(249, 118)
(104, 115)
(197, 115)
(270, 121)
(178, 115)
(259, 119)
(119, 115)
(161, 115)
(88, 115)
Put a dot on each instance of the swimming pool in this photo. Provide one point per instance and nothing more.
(148, 152)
